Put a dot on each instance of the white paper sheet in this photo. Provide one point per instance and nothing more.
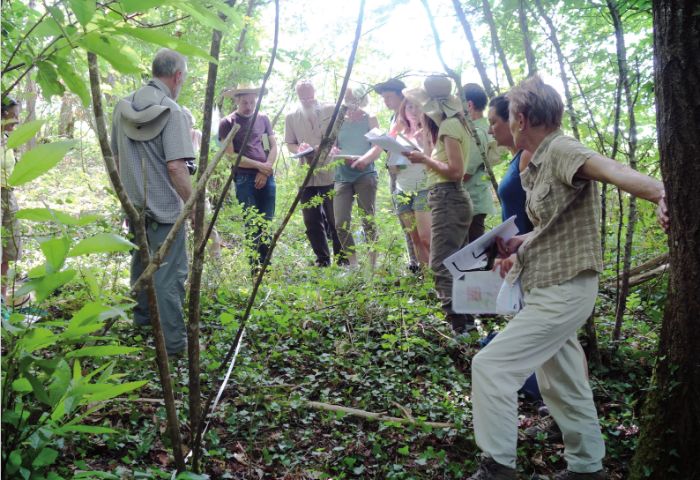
(474, 255)
(485, 292)
(386, 142)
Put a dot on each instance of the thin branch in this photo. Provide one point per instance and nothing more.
(138, 224)
(21, 41)
(324, 149)
(488, 86)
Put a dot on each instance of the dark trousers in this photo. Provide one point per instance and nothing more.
(169, 282)
(320, 222)
(477, 227)
(258, 203)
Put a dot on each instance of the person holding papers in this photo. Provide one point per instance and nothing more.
(353, 179)
(303, 131)
(411, 192)
(445, 128)
(557, 265)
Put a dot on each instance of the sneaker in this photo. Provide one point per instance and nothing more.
(490, 469)
(569, 475)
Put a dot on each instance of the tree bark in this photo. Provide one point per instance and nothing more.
(488, 16)
(670, 421)
(553, 37)
(193, 362)
(632, 155)
(529, 53)
(139, 226)
(478, 63)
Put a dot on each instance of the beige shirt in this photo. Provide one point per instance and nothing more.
(565, 211)
(299, 129)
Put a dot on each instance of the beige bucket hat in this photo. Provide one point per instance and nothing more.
(244, 89)
(435, 98)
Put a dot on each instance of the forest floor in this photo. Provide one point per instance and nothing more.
(368, 339)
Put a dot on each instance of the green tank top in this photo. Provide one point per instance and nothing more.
(352, 141)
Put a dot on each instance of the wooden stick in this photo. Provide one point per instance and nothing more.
(378, 416)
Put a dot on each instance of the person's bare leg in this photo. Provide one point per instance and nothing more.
(423, 226)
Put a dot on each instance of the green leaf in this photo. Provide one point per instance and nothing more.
(131, 6)
(44, 286)
(51, 215)
(23, 133)
(37, 338)
(166, 40)
(55, 251)
(38, 161)
(48, 80)
(101, 351)
(46, 457)
(203, 14)
(84, 429)
(86, 320)
(121, 57)
(73, 81)
(84, 10)
(102, 243)
(91, 475)
(22, 385)
(39, 389)
(111, 391)
(60, 382)
(403, 450)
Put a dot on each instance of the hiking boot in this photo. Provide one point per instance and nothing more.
(462, 324)
(546, 428)
(569, 475)
(490, 469)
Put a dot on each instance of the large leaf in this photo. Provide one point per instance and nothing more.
(46, 457)
(55, 251)
(166, 40)
(84, 10)
(37, 338)
(51, 215)
(45, 286)
(84, 429)
(115, 52)
(203, 14)
(23, 133)
(111, 391)
(73, 81)
(38, 161)
(101, 351)
(48, 80)
(131, 6)
(101, 243)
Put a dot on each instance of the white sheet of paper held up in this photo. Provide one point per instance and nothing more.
(386, 142)
(485, 292)
(474, 254)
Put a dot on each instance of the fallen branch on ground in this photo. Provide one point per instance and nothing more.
(375, 415)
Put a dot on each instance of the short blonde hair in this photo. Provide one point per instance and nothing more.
(358, 94)
(539, 103)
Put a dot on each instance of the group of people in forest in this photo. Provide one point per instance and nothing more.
(441, 193)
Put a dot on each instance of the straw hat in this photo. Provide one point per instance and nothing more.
(435, 98)
(244, 89)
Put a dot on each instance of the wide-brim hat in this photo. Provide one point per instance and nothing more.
(244, 89)
(435, 98)
(391, 85)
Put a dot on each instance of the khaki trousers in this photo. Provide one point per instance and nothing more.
(541, 338)
(365, 189)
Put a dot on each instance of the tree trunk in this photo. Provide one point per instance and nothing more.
(632, 154)
(31, 109)
(562, 69)
(478, 63)
(529, 53)
(670, 421)
(488, 16)
(66, 125)
(137, 221)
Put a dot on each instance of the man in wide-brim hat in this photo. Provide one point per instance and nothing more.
(255, 183)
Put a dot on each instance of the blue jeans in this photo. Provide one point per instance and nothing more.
(260, 206)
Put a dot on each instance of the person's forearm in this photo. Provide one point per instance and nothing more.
(608, 170)
(246, 162)
(272, 155)
(180, 177)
